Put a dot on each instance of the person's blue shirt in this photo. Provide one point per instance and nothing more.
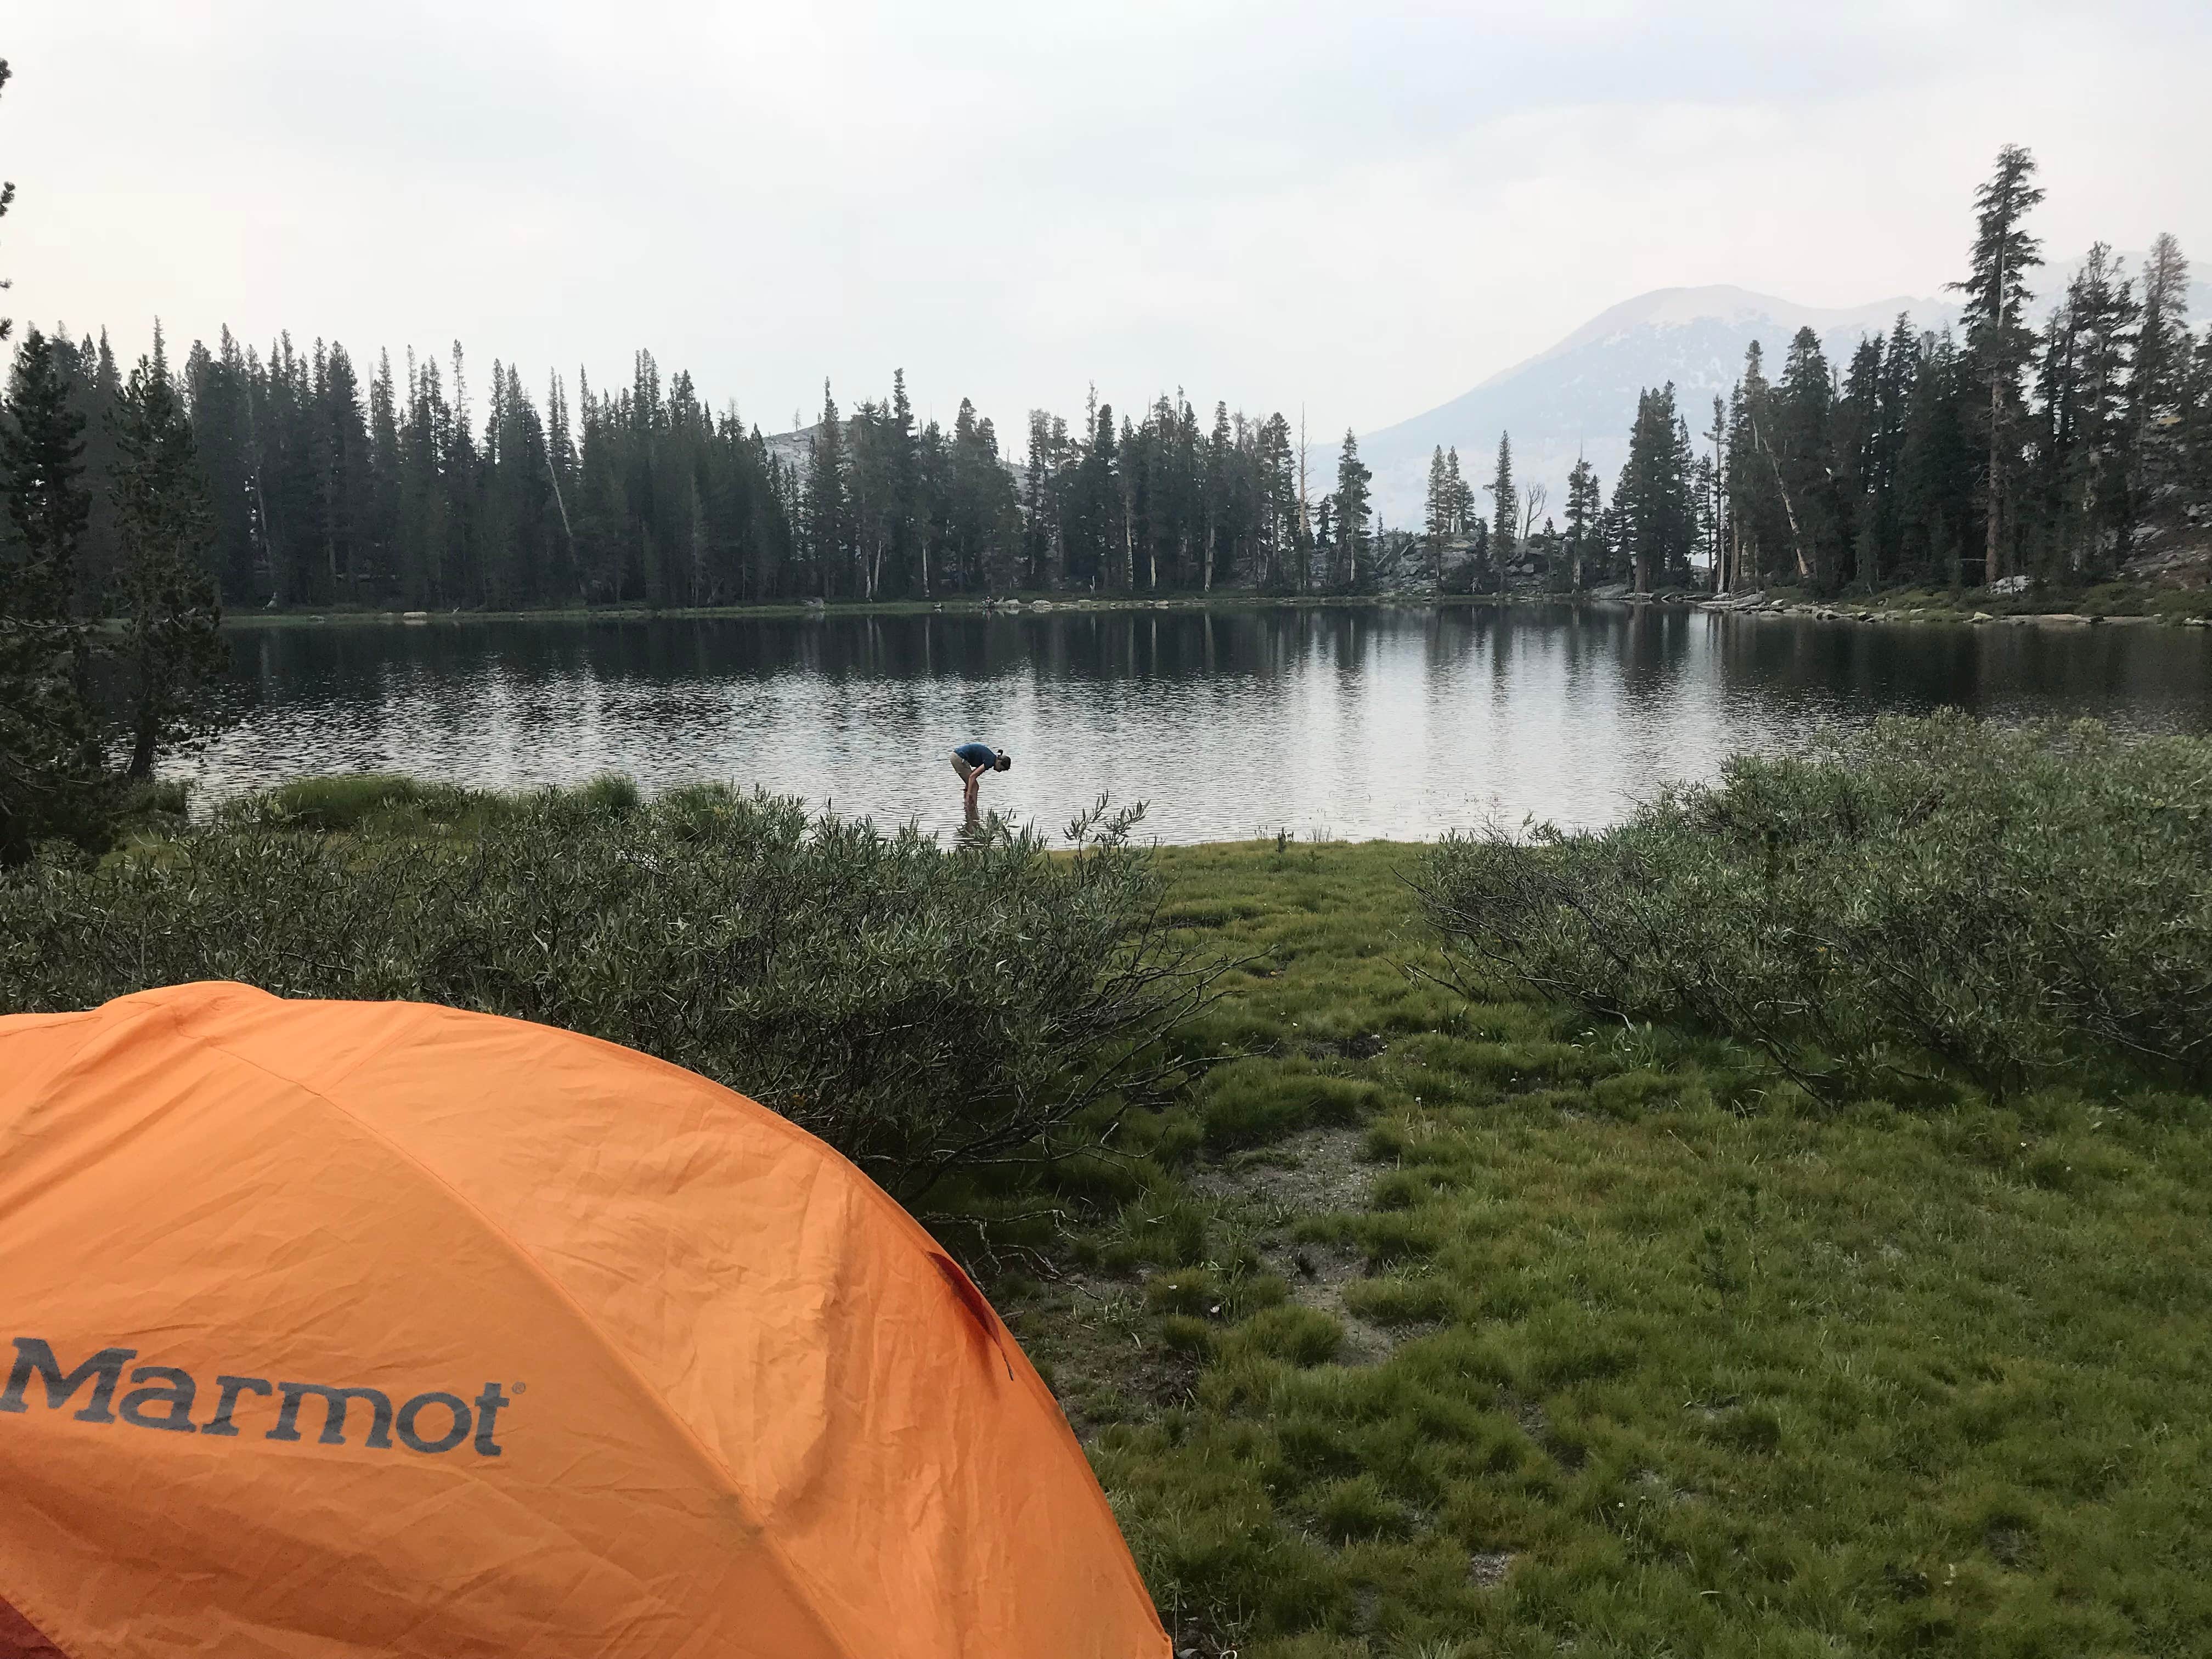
(978, 754)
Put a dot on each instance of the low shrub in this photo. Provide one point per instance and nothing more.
(924, 1008)
(349, 801)
(1934, 893)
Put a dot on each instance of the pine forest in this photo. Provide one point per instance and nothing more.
(2001, 452)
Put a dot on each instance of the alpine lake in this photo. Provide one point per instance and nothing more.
(1333, 722)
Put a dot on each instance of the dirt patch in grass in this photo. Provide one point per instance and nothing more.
(1091, 1338)
(1317, 1172)
(1486, 1569)
(1314, 1172)
(1317, 1274)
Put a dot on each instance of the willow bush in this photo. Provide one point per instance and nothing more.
(1936, 895)
(923, 1007)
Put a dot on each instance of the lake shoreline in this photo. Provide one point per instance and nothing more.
(1382, 718)
(1874, 608)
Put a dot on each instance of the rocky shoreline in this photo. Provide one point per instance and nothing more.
(1758, 605)
(1750, 604)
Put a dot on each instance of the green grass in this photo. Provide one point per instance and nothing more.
(1428, 1326)
(1419, 1326)
(2171, 600)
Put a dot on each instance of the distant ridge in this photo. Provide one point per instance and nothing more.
(1680, 308)
(1577, 396)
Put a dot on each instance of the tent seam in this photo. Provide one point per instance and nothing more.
(873, 1193)
(44, 1626)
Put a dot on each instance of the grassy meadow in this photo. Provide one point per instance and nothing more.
(1431, 1325)
(1405, 1311)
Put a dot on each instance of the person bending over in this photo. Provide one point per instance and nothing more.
(971, 761)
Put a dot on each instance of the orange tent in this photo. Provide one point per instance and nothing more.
(351, 1328)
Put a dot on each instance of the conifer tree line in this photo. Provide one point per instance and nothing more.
(2003, 453)
(1998, 454)
(2004, 450)
(399, 488)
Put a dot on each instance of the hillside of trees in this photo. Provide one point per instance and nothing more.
(2011, 455)
(397, 488)
(2057, 453)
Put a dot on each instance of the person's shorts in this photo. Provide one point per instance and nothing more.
(965, 770)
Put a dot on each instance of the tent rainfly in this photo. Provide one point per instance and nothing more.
(335, 1329)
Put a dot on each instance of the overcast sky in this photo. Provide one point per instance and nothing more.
(1363, 209)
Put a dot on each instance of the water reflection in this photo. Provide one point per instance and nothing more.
(1351, 720)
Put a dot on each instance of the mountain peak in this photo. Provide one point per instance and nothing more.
(1577, 399)
(1736, 308)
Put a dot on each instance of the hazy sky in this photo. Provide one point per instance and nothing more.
(1364, 208)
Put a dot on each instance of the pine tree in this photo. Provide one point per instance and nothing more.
(1998, 339)
(2159, 387)
(172, 651)
(381, 526)
(1715, 497)
(2084, 453)
(1351, 506)
(1654, 508)
(1900, 370)
(52, 780)
(1584, 510)
(1220, 484)
(1463, 497)
(1504, 503)
(218, 390)
(1800, 446)
(339, 444)
(1758, 504)
(2193, 427)
(1935, 483)
(826, 497)
(900, 481)
(1436, 515)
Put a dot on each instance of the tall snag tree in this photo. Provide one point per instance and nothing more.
(1998, 340)
(172, 649)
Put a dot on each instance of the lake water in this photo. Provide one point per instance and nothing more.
(1349, 721)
